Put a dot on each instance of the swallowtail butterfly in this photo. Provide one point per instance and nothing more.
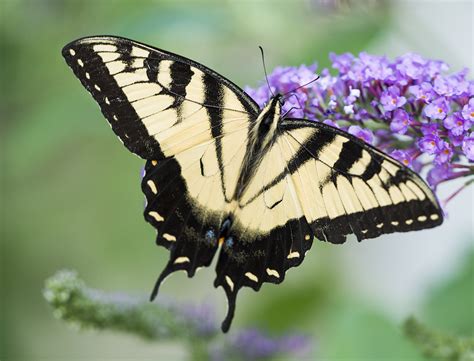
(223, 175)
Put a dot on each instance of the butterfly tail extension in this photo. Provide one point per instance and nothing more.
(165, 273)
(250, 261)
(186, 234)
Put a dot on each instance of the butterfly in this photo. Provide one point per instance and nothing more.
(224, 176)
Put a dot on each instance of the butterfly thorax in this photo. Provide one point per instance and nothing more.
(261, 137)
(266, 123)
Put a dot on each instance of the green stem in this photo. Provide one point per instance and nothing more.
(73, 302)
(437, 345)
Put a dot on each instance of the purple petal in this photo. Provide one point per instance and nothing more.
(468, 111)
(468, 147)
(364, 134)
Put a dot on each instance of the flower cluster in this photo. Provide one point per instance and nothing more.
(252, 345)
(408, 107)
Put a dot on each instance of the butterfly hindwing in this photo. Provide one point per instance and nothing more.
(270, 234)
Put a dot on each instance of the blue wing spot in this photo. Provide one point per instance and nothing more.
(210, 237)
(229, 242)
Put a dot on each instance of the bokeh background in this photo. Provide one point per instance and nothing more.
(70, 195)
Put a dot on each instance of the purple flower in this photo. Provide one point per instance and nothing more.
(342, 62)
(455, 140)
(442, 86)
(201, 317)
(391, 99)
(468, 147)
(402, 156)
(400, 121)
(296, 344)
(437, 109)
(456, 124)
(423, 92)
(332, 104)
(260, 95)
(411, 65)
(253, 345)
(430, 129)
(364, 134)
(468, 111)
(376, 67)
(454, 85)
(444, 152)
(331, 123)
(435, 67)
(439, 173)
(294, 106)
(353, 95)
(429, 143)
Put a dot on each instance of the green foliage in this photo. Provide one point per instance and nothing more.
(438, 345)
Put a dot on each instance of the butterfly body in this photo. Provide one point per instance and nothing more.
(225, 177)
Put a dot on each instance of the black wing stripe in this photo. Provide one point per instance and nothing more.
(349, 155)
(302, 155)
(152, 65)
(214, 94)
(374, 166)
(121, 115)
(181, 75)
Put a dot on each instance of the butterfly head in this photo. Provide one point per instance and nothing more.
(270, 113)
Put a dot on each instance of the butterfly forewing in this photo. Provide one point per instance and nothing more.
(154, 100)
(347, 186)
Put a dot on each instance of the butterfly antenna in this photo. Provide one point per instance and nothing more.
(265, 70)
(298, 107)
(301, 86)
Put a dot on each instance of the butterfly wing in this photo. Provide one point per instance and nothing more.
(155, 101)
(188, 122)
(318, 181)
(354, 188)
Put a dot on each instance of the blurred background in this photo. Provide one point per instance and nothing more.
(71, 193)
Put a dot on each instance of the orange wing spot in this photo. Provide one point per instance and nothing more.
(221, 240)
